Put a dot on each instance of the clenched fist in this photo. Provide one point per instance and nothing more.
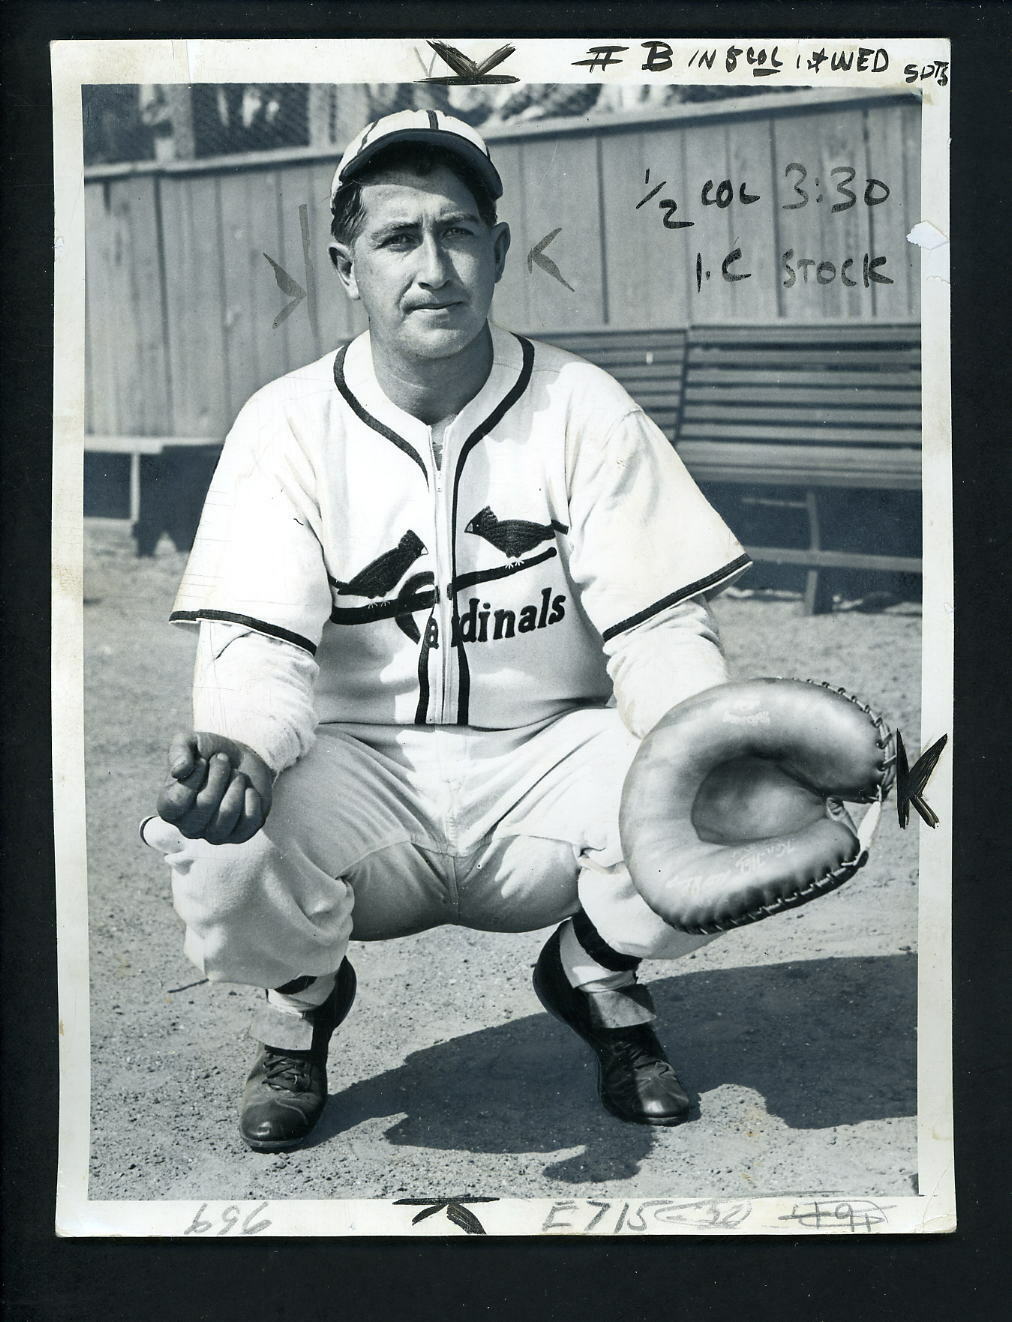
(217, 790)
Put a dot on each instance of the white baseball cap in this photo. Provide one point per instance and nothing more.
(429, 126)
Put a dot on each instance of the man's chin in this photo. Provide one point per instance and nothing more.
(443, 341)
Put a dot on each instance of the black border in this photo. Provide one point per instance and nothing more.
(897, 1276)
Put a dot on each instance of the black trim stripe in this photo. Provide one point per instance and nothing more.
(383, 610)
(422, 710)
(365, 416)
(503, 571)
(296, 985)
(259, 626)
(433, 121)
(598, 949)
(365, 136)
(479, 433)
(683, 594)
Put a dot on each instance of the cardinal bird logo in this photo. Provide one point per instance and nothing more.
(383, 574)
(513, 537)
(468, 71)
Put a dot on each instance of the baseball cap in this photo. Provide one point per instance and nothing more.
(432, 127)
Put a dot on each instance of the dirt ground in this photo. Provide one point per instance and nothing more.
(796, 1033)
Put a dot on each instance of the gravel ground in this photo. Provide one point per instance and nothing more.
(797, 1033)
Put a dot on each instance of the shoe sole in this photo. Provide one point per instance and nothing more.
(658, 1122)
(277, 1145)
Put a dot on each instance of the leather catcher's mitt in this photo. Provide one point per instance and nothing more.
(731, 808)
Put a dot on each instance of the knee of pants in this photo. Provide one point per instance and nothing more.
(214, 884)
(255, 911)
(624, 919)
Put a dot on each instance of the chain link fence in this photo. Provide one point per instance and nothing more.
(161, 121)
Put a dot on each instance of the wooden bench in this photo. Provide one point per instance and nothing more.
(811, 407)
(168, 480)
(781, 409)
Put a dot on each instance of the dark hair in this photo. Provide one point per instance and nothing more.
(420, 159)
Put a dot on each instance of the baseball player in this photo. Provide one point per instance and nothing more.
(445, 580)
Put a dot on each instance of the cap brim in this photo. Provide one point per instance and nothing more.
(441, 138)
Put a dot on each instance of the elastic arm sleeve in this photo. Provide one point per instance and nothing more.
(670, 657)
(256, 689)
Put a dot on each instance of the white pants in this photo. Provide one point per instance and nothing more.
(383, 831)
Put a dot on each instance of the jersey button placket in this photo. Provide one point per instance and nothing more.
(444, 556)
(439, 658)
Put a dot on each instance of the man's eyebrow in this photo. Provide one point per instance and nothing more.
(394, 227)
(397, 226)
(459, 215)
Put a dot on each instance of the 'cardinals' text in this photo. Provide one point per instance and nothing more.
(481, 624)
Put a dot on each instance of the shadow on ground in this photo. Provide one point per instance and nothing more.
(824, 1043)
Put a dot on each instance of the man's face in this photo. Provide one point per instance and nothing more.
(423, 263)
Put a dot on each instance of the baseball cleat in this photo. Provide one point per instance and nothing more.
(286, 1090)
(635, 1081)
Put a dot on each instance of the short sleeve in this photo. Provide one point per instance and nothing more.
(643, 536)
(257, 558)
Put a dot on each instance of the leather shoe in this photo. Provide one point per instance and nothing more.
(636, 1082)
(286, 1090)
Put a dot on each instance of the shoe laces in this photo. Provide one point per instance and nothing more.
(286, 1072)
(639, 1051)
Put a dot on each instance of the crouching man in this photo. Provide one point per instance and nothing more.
(445, 580)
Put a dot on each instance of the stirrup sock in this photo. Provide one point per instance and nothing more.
(302, 994)
(589, 962)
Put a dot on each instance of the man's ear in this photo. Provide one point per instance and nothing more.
(344, 265)
(500, 246)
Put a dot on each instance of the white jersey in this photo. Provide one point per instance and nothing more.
(482, 582)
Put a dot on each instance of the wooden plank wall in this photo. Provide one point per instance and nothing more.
(629, 269)
(181, 299)
(127, 384)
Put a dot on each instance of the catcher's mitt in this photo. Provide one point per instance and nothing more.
(731, 809)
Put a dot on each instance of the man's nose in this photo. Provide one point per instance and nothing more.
(434, 267)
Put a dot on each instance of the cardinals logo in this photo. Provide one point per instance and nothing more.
(513, 537)
(381, 576)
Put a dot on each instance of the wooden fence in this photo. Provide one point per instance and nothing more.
(181, 302)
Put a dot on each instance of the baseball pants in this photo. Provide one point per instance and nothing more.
(383, 831)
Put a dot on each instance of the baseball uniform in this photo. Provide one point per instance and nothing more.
(431, 627)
